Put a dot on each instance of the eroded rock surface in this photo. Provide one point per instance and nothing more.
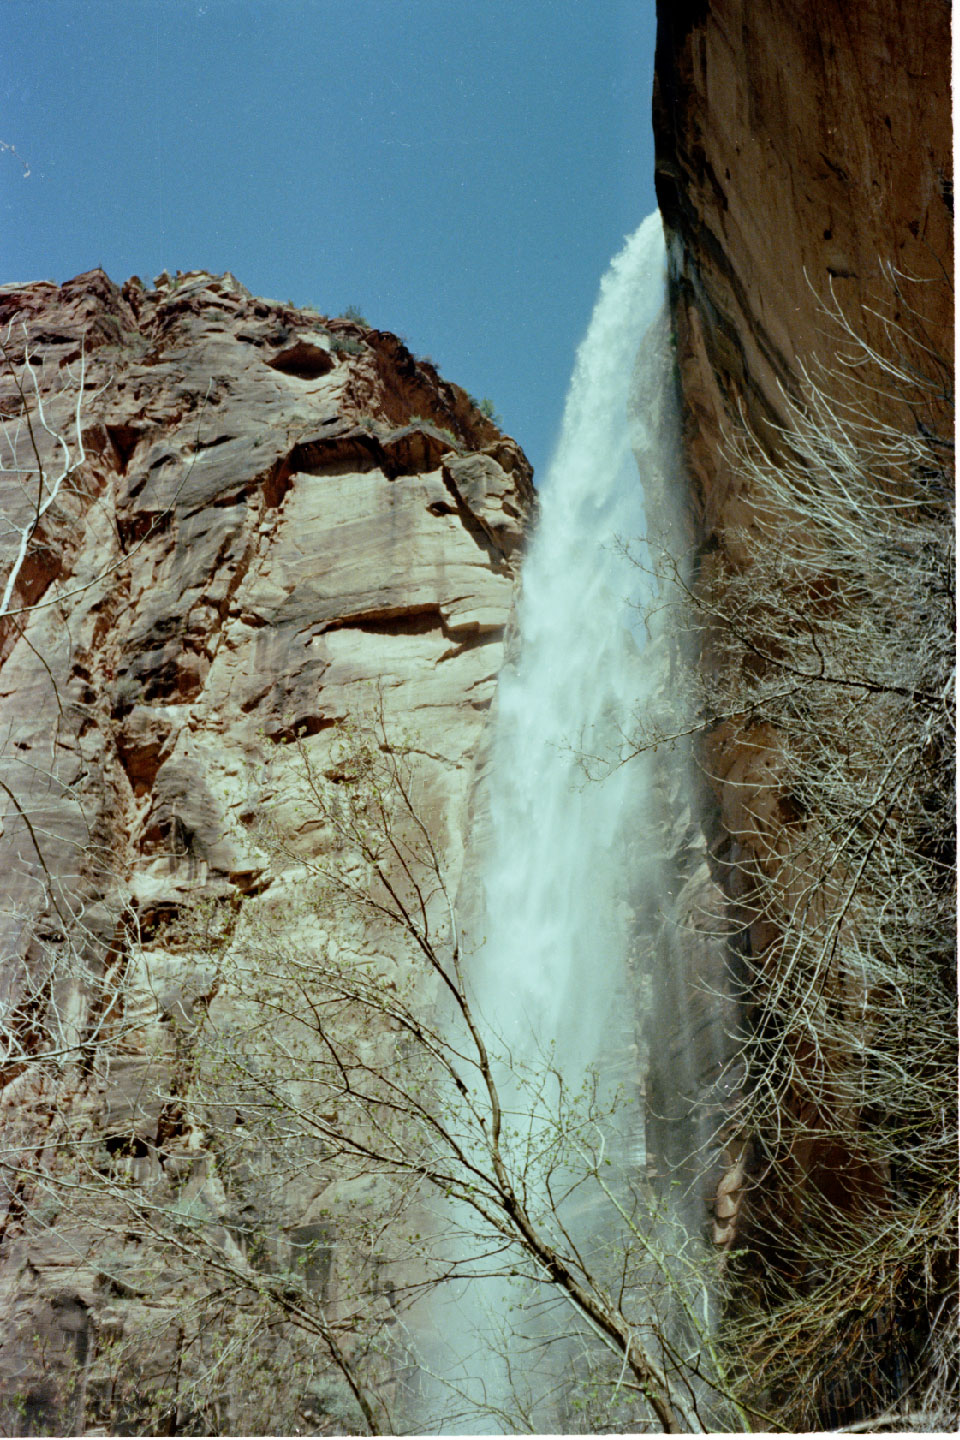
(271, 523)
(804, 174)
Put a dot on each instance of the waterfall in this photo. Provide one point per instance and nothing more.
(557, 925)
(551, 976)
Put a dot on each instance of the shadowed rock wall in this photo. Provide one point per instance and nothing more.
(800, 150)
(804, 173)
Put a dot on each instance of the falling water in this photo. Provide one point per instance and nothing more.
(557, 926)
(552, 976)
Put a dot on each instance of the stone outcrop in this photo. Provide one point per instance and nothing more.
(267, 523)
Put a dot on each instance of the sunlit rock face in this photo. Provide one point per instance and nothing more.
(279, 521)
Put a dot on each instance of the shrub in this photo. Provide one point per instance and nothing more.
(487, 408)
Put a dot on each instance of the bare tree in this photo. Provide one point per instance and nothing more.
(336, 1068)
(822, 695)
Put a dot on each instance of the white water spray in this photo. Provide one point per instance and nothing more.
(550, 979)
(556, 936)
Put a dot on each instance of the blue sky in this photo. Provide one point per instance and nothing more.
(460, 170)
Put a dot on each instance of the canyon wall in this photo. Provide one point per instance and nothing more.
(238, 536)
(801, 152)
(804, 174)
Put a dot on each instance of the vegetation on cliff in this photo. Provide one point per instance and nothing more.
(823, 689)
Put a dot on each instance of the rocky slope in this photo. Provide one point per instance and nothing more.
(233, 530)
(804, 173)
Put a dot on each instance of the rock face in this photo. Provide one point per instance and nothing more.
(804, 173)
(801, 152)
(266, 523)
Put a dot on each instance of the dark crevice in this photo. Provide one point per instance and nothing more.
(392, 620)
(303, 361)
(475, 526)
(353, 453)
(283, 731)
(212, 444)
(124, 439)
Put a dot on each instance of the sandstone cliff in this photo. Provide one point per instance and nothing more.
(804, 173)
(233, 529)
(801, 152)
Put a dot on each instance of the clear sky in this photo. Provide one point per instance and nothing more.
(460, 170)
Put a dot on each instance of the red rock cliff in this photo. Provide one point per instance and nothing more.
(800, 150)
(804, 173)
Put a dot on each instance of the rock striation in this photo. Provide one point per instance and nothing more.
(266, 523)
(804, 174)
